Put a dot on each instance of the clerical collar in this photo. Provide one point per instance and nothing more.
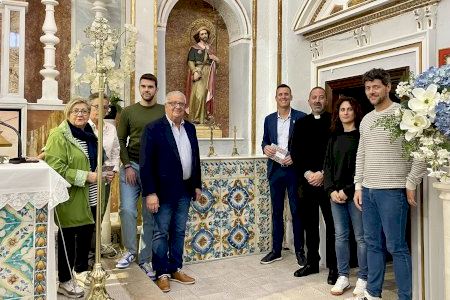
(317, 117)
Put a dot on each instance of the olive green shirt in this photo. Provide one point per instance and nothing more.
(132, 122)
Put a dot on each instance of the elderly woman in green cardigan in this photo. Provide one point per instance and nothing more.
(71, 150)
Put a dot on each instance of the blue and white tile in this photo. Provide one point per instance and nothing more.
(211, 169)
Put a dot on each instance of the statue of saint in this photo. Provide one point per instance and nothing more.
(201, 79)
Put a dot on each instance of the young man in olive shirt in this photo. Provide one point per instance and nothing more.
(132, 122)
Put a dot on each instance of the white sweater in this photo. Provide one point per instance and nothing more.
(380, 163)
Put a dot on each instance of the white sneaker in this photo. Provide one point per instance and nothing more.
(369, 297)
(340, 286)
(126, 260)
(70, 289)
(83, 278)
(360, 287)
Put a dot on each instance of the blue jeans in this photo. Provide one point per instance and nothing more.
(282, 179)
(385, 213)
(344, 215)
(129, 196)
(168, 239)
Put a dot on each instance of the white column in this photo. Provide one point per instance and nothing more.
(8, 93)
(98, 7)
(49, 39)
(444, 189)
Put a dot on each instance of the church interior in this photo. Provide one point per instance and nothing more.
(46, 60)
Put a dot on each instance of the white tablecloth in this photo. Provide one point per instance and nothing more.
(36, 183)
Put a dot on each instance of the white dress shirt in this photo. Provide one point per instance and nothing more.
(184, 147)
(283, 130)
(110, 144)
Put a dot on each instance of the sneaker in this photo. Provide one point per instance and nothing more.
(82, 278)
(360, 287)
(340, 286)
(126, 260)
(270, 258)
(301, 259)
(163, 283)
(367, 296)
(70, 289)
(148, 270)
(182, 278)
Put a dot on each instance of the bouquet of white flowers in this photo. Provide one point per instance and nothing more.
(423, 122)
(101, 32)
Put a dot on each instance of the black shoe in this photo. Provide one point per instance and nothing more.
(306, 270)
(332, 276)
(270, 258)
(301, 259)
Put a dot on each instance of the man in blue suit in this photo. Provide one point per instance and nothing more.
(170, 176)
(278, 128)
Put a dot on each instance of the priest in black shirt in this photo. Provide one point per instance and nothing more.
(308, 146)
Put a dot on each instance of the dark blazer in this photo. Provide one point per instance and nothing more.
(271, 133)
(160, 165)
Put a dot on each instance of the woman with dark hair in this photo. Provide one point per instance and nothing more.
(339, 170)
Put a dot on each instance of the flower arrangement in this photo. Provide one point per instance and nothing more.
(423, 121)
(104, 40)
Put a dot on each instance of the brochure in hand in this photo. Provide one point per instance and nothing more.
(280, 154)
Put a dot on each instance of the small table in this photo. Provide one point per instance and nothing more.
(28, 194)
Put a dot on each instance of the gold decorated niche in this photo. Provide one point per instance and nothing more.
(184, 19)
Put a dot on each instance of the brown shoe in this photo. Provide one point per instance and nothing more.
(163, 283)
(180, 277)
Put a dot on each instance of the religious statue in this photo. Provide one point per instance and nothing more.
(201, 79)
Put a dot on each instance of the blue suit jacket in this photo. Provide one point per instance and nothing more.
(271, 133)
(160, 165)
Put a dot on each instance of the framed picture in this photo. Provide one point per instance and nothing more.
(13, 117)
(444, 56)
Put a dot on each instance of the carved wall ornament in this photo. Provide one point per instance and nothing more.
(362, 36)
(426, 17)
(316, 48)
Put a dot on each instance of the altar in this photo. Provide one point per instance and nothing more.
(28, 195)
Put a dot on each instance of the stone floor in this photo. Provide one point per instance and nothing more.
(234, 278)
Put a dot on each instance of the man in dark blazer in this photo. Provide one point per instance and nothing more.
(278, 128)
(170, 176)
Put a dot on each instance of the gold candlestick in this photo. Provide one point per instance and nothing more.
(235, 150)
(212, 151)
(97, 289)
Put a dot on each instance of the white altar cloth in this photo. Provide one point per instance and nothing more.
(39, 185)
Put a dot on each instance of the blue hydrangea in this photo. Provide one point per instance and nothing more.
(442, 121)
(439, 76)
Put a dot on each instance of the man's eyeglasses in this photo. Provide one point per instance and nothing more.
(76, 112)
(175, 104)
(105, 107)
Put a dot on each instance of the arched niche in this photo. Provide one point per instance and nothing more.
(239, 56)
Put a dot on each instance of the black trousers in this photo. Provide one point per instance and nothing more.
(77, 240)
(311, 198)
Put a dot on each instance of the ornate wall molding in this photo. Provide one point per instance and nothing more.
(426, 17)
(372, 16)
(362, 35)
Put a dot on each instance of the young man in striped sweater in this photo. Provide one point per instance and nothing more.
(385, 186)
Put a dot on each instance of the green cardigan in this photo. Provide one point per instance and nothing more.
(66, 156)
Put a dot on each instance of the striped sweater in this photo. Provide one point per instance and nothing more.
(379, 162)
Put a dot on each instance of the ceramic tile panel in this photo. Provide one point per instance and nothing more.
(261, 168)
(233, 216)
(16, 252)
(211, 169)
